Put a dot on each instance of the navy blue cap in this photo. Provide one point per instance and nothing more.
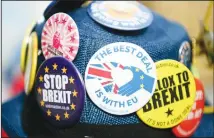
(161, 40)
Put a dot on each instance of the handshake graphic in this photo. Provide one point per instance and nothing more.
(119, 79)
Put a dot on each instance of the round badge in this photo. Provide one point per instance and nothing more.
(60, 37)
(121, 15)
(173, 97)
(187, 127)
(31, 64)
(24, 48)
(120, 78)
(185, 53)
(60, 91)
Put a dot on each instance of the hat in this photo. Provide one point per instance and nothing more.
(162, 39)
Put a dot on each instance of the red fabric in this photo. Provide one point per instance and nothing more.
(17, 85)
(4, 134)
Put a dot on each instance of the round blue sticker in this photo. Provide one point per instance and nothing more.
(185, 53)
(60, 91)
(121, 15)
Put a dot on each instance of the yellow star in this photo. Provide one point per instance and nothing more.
(42, 103)
(57, 117)
(40, 78)
(137, 70)
(49, 112)
(39, 90)
(73, 106)
(46, 69)
(64, 70)
(74, 93)
(71, 80)
(141, 86)
(141, 77)
(66, 114)
(55, 66)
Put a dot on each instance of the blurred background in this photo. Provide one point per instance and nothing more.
(18, 15)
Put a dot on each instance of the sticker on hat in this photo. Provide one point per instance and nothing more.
(120, 78)
(188, 126)
(31, 64)
(60, 91)
(121, 15)
(185, 53)
(173, 97)
(60, 37)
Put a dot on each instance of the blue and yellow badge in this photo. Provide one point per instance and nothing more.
(121, 15)
(60, 91)
(120, 78)
(173, 98)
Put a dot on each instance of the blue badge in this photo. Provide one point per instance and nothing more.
(185, 53)
(121, 15)
(60, 91)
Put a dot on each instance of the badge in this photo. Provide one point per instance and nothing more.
(173, 97)
(185, 53)
(187, 127)
(31, 64)
(24, 48)
(60, 37)
(121, 15)
(60, 91)
(120, 78)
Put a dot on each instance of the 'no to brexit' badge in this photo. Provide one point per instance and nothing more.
(187, 127)
(173, 97)
(60, 37)
(121, 15)
(120, 78)
(60, 91)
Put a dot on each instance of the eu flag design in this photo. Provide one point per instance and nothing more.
(103, 71)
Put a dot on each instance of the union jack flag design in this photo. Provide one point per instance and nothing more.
(102, 72)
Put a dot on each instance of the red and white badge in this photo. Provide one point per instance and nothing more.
(60, 37)
(190, 124)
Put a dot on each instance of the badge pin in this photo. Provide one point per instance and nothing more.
(173, 97)
(60, 91)
(188, 126)
(60, 37)
(31, 64)
(120, 78)
(185, 53)
(121, 15)
(24, 48)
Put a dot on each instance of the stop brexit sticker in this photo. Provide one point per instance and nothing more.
(190, 124)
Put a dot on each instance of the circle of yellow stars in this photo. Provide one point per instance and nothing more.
(74, 93)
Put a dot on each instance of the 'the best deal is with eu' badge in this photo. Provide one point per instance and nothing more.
(120, 78)
(60, 91)
(121, 15)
